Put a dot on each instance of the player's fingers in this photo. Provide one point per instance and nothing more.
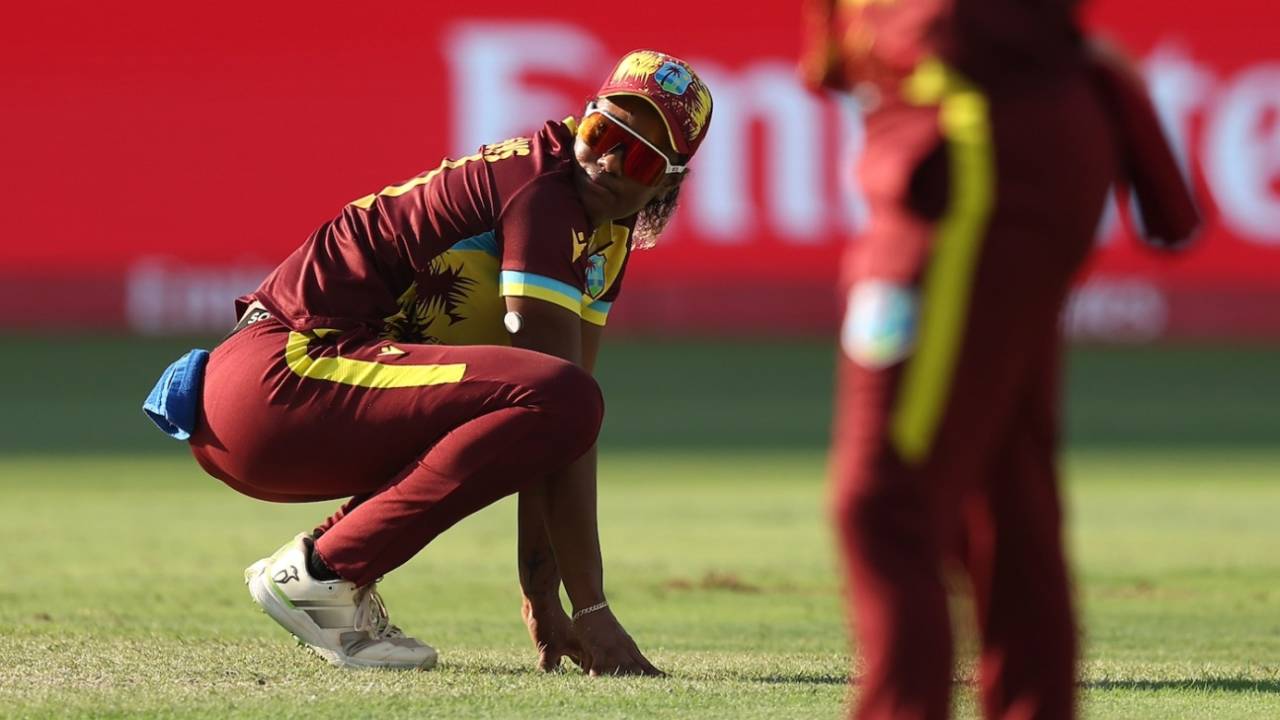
(633, 664)
(549, 661)
(600, 667)
(638, 660)
(610, 664)
(575, 653)
(642, 664)
(649, 668)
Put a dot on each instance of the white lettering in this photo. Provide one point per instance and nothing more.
(768, 166)
(767, 96)
(719, 203)
(1242, 153)
(489, 62)
(853, 204)
(1116, 310)
(167, 297)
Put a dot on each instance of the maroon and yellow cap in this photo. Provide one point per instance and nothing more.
(671, 86)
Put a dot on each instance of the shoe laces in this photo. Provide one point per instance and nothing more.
(371, 614)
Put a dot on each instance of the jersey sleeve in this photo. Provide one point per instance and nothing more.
(544, 236)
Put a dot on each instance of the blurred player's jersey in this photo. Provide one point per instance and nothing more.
(851, 42)
(429, 260)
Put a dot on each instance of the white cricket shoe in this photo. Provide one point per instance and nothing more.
(345, 625)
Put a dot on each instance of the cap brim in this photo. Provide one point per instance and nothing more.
(677, 141)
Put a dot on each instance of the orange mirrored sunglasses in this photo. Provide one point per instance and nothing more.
(642, 161)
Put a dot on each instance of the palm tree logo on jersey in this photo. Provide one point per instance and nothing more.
(595, 275)
(439, 295)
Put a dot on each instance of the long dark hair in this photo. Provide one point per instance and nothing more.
(653, 217)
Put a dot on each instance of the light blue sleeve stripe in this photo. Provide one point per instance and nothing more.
(485, 242)
(510, 278)
(601, 306)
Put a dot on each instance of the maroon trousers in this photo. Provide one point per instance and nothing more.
(982, 209)
(419, 436)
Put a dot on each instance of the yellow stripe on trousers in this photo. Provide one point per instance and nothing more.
(362, 373)
(948, 280)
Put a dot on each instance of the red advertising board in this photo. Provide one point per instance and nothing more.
(157, 159)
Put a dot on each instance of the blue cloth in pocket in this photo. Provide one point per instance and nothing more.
(174, 402)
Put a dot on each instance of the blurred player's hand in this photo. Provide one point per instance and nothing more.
(609, 649)
(552, 634)
(1167, 205)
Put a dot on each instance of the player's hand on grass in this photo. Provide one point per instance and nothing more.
(609, 650)
(552, 634)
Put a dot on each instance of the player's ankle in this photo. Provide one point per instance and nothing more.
(317, 568)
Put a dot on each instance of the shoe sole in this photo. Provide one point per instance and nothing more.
(278, 607)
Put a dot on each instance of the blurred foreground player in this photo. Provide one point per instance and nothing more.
(373, 364)
(993, 135)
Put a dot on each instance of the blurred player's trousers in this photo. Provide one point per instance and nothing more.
(983, 207)
(419, 436)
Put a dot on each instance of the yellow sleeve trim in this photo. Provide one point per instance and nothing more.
(595, 317)
(515, 283)
(541, 293)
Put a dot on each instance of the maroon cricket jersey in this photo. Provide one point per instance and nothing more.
(881, 42)
(429, 260)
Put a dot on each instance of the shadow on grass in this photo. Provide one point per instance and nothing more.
(800, 678)
(1216, 684)
(568, 668)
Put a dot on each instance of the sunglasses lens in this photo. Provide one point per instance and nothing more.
(643, 165)
(600, 133)
(640, 162)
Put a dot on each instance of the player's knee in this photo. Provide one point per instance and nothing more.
(571, 399)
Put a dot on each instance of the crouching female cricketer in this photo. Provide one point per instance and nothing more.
(429, 351)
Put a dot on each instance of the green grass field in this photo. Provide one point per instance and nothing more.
(122, 561)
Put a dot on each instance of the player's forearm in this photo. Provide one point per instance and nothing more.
(571, 526)
(569, 510)
(539, 572)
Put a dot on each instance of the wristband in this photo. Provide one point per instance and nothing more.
(588, 610)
